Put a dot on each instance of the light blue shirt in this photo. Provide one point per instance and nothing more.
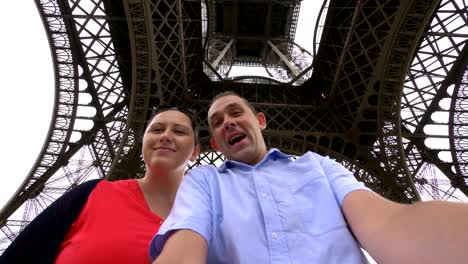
(285, 209)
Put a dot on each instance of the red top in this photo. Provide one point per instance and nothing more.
(115, 226)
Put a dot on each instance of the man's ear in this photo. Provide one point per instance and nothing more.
(261, 120)
(195, 153)
(213, 144)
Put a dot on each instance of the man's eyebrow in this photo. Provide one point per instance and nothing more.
(233, 105)
(229, 106)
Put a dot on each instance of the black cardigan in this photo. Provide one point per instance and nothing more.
(39, 242)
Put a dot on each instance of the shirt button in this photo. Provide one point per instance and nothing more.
(264, 195)
(274, 235)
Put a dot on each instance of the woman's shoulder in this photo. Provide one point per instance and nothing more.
(114, 189)
(119, 184)
(83, 189)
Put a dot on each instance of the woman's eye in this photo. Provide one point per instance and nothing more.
(180, 132)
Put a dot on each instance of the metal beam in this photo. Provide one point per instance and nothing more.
(222, 54)
(288, 63)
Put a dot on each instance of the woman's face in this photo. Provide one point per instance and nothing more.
(169, 141)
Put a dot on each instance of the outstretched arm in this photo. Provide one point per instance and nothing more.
(184, 246)
(424, 232)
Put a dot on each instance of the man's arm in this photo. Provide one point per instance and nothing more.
(184, 235)
(193, 246)
(424, 232)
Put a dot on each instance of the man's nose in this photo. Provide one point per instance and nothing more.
(228, 124)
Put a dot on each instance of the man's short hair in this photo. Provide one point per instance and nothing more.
(227, 93)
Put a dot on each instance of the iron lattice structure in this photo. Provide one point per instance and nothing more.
(386, 93)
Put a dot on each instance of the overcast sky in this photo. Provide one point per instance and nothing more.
(27, 85)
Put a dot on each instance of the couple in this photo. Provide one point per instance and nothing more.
(261, 206)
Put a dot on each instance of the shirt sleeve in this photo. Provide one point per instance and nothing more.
(192, 210)
(342, 180)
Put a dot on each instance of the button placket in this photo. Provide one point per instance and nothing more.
(277, 245)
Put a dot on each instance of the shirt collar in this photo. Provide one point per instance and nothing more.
(271, 154)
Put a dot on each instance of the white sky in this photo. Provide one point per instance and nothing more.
(27, 85)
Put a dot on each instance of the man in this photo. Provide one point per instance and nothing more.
(264, 206)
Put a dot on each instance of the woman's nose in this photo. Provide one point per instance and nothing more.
(166, 136)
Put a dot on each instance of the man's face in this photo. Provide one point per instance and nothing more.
(237, 130)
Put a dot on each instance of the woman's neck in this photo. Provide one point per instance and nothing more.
(159, 189)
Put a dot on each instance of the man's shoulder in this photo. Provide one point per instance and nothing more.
(208, 168)
(310, 159)
(203, 171)
(199, 178)
(308, 156)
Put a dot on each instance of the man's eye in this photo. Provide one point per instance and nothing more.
(216, 123)
(157, 130)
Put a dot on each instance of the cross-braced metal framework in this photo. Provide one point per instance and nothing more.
(385, 95)
(230, 31)
(165, 39)
(433, 109)
(89, 110)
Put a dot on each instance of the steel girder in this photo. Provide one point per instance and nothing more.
(89, 110)
(433, 107)
(369, 56)
(365, 87)
(166, 44)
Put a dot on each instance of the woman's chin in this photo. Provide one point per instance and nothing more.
(161, 163)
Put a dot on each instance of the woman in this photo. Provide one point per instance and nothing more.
(118, 219)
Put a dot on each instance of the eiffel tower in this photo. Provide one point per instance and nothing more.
(383, 88)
